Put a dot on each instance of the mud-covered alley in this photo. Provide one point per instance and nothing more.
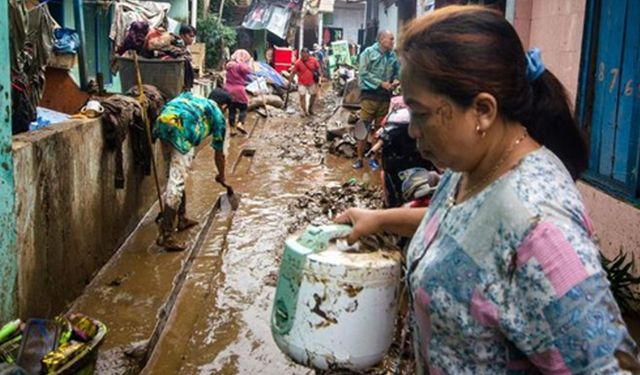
(207, 310)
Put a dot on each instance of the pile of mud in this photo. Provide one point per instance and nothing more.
(304, 142)
(305, 139)
(319, 206)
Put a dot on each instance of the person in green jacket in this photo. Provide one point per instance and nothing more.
(379, 70)
(184, 123)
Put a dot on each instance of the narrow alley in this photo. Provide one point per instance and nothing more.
(208, 310)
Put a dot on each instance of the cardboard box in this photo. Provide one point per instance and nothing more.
(198, 56)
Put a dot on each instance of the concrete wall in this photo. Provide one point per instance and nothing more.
(617, 223)
(179, 10)
(522, 20)
(556, 27)
(349, 17)
(388, 18)
(70, 217)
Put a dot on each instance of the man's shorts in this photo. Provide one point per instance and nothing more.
(311, 90)
(373, 110)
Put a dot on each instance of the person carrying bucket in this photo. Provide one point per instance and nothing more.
(184, 123)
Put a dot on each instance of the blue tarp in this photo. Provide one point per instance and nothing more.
(271, 75)
(47, 117)
(65, 41)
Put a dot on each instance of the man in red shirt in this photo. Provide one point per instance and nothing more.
(307, 69)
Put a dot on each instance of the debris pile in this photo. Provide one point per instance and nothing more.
(311, 138)
(344, 146)
(320, 206)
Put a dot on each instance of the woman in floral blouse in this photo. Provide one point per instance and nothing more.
(502, 269)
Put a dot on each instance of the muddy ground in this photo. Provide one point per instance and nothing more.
(207, 310)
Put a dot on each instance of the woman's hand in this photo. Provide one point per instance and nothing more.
(402, 221)
(364, 222)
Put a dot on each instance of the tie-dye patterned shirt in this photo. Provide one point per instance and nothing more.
(187, 120)
(510, 282)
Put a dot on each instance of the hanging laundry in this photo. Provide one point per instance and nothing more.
(120, 113)
(31, 39)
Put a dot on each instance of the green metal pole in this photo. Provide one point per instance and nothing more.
(8, 251)
(78, 16)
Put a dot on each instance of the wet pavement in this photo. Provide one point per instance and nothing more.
(207, 310)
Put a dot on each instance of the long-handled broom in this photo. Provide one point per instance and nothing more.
(147, 126)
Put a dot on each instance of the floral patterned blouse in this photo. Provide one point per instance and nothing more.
(510, 282)
(187, 120)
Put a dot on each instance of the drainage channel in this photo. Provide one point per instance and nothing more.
(243, 159)
(165, 311)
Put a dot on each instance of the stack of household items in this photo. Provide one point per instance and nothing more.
(163, 59)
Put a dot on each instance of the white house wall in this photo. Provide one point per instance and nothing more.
(388, 18)
(348, 17)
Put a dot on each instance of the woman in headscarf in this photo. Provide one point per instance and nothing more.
(237, 72)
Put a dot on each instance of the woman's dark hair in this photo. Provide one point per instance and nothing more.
(461, 51)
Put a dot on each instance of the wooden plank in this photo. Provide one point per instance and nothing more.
(198, 53)
(607, 81)
(627, 97)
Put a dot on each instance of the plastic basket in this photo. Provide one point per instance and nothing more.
(83, 363)
(9, 350)
(166, 75)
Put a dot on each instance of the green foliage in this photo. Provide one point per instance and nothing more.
(622, 281)
(215, 35)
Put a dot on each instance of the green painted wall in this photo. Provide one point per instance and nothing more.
(179, 10)
(114, 85)
(8, 251)
(68, 14)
